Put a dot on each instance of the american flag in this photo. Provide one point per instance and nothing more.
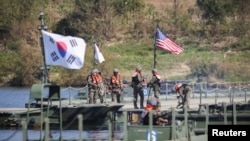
(165, 43)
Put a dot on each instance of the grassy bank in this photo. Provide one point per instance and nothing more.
(191, 64)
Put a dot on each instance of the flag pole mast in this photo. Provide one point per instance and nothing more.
(155, 47)
(94, 42)
(155, 54)
(43, 27)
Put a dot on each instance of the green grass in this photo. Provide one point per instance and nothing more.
(129, 55)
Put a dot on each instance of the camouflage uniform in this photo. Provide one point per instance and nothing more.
(101, 87)
(153, 105)
(155, 83)
(116, 86)
(184, 91)
(137, 80)
(94, 86)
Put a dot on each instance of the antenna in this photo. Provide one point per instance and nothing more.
(44, 69)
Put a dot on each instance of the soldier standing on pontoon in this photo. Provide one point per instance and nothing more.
(137, 83)
(101, 87)
(116, 86)
(184, 91)
(155, 83)
(93, 86)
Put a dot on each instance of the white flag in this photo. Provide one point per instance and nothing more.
(65, 51)
(98, 54)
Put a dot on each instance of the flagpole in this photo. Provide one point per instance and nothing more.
(155, 47)
(154, 55)
(43, 27)
(94, 54)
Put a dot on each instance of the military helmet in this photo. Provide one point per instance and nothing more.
(152, 101)
(177, 87)
(138, 68)
(94, 71)
(154, 70)
(116, 70)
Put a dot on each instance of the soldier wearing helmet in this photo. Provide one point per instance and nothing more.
(137, 84)
(155, 83)
(101, 87)
(94, 81)
(159, 117)
(183, 91)
(116, 86)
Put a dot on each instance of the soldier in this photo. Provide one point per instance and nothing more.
(116, 86)
(101, 87)
(93, 85)
(137, 80)
(159, 117)
(184, 92)
(155, 83)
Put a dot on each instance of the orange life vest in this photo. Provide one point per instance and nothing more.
(157, 75)
(99, 78)
(96, 78)
(115, 79)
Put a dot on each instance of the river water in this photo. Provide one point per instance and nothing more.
(16, 97)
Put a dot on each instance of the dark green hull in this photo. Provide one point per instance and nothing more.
(191, 124)
(94, 116)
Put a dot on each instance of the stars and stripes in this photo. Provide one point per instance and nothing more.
(163, 42)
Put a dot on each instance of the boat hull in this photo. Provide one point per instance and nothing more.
(94, 116)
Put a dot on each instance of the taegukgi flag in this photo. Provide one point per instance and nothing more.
(65, 51)
(98, 54)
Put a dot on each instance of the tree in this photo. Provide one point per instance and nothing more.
(215, 12)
